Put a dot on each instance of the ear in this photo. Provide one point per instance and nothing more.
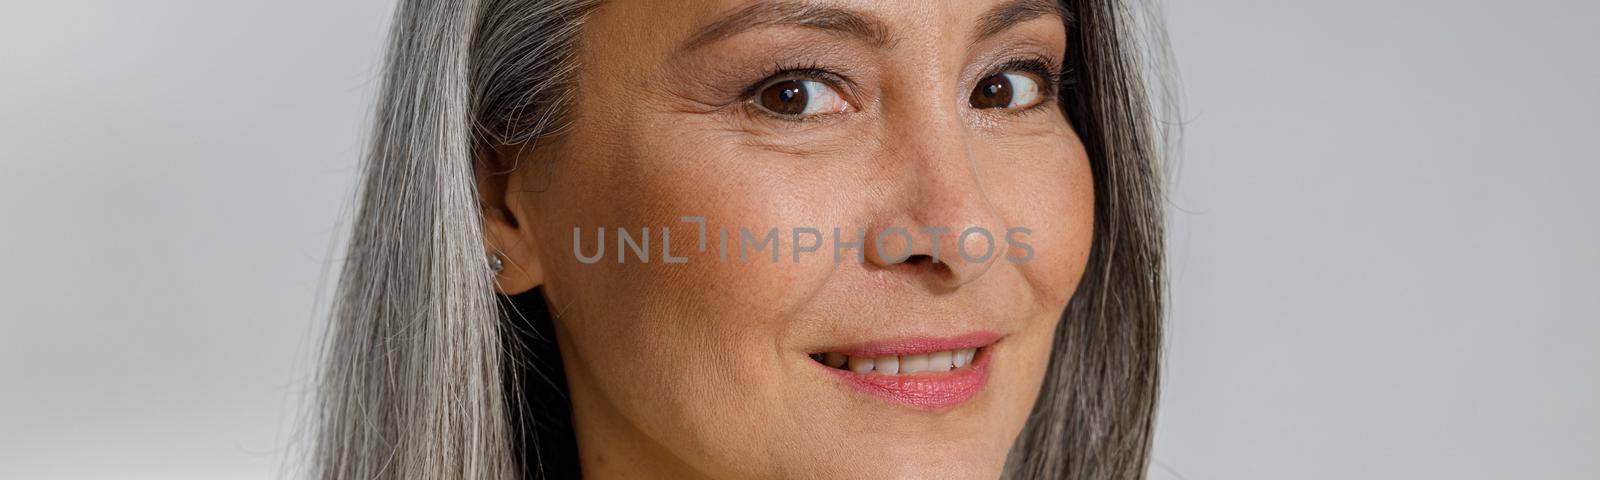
(507, 227)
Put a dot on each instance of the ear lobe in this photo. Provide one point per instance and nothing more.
(504, 233)
(520, 270)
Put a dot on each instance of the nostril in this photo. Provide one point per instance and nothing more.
(924, 264)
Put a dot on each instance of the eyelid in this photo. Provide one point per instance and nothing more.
(840, 85)
(1046, 73)
(784, 74)
(1049, 73)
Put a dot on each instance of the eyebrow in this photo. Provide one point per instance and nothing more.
(767, 14)
(1009, 14)
(856, 24)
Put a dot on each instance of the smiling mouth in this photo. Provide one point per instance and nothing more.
(929, 374)
(936, 362)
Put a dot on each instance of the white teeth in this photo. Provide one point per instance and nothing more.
(913, 363)
(889, 365)
(860, 364)
(936, 362)
(939, 362)
(835, 360)
(964, 357)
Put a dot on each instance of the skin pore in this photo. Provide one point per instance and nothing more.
(857, 115)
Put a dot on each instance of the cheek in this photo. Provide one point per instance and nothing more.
(1047, 186)
(682, 350)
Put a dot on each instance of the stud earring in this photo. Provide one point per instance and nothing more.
(495, 264)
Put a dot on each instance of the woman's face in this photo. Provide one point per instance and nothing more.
(860, 116)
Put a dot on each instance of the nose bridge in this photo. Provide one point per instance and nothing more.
(947, 188)
(941, 198)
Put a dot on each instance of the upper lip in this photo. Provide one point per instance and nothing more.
(916, 345)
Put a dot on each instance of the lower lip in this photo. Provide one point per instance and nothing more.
(929, 391)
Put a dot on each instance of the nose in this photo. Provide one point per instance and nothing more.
(938, 225)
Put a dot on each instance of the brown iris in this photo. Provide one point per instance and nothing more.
(785, 98)
(993, 92)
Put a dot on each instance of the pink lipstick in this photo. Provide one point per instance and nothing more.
(925, 373)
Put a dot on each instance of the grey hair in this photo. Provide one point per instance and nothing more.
(413, 384)
(1095, 415)
(422, 367)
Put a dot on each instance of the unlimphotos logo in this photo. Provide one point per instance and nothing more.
(804, 241)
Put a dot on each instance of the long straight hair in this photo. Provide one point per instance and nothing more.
(427, 374)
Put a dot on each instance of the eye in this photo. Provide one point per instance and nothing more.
(799, 98)
(1007, 90)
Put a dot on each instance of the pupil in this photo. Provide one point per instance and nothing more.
(995, 92)
(785, 98)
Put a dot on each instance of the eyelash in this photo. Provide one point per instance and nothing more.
(810, 71)
(782, 72)
(1050, 72)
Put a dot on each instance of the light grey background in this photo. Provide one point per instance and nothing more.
(1384, 248)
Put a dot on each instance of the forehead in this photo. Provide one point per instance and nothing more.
(694, 23)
